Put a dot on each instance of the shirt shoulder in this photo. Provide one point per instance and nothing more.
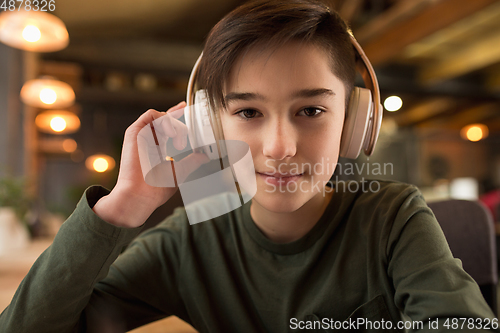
(380, 197)
(383, 211)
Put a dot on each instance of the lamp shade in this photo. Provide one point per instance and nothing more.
(47, 92)
(57, 122)
(33, 31)
(100, 163)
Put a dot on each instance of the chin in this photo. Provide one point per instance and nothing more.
(281, 202)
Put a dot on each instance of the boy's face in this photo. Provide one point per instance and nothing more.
(288, 106)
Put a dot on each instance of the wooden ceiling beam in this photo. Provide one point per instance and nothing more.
(472, 115)
(465, 31)
(425, 110)
(388, 45)
(349, 9)
(399, 12)
(480, 54)
(475, 114)
(493, 79)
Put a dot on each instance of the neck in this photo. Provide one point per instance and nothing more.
(290, 226)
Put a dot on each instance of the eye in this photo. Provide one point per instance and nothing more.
(247, 113)
(310, 112)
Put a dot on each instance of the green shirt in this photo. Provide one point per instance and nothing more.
(373, 256)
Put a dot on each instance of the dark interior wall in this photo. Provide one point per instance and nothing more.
(11, 134)
(446, 155)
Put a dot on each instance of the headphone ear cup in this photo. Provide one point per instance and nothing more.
(200, 132)
(373, 130)
(204, 127)
(356, 122)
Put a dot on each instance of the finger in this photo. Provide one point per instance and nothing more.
(177, 111)
(152, 114)
(174, 129)
(146, 118)
(165, 123)
(189, 164)
(180, 141)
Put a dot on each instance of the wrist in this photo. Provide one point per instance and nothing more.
(123, 209)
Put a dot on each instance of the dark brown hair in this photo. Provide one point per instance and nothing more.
(274, 23)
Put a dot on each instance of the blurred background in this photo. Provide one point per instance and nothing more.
(437, 62)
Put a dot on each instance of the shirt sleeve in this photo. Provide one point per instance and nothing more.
(143, 283)
(54, 295)
(430, 285)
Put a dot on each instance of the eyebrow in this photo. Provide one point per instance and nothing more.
(313, 93)
(304, 93)
(234, 96)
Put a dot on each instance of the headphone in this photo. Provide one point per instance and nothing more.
(361, 125)
(204, 129)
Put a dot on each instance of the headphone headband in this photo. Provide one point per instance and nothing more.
(367, 72)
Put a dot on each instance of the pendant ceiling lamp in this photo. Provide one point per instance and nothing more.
(33, 31)
(48, 93)
(57, 122)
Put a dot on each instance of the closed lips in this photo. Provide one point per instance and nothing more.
(279, 175)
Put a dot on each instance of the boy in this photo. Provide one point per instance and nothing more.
(279, 75)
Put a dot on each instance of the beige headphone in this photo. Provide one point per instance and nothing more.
(361, 124)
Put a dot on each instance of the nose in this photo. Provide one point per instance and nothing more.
(279, 141)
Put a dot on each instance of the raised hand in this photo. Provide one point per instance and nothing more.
(132, 200)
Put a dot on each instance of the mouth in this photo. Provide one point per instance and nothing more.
(278, 179)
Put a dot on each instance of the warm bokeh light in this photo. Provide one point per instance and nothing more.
(32, 30)
(100, 163)
(474, 132)
(31, 34)
(48, 96)
(47, 92)
(69, 145)
(58, 124)
(393, 103)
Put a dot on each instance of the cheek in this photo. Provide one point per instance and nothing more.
(231, 132)
(322, 148)
(226, 128)
(322, 144)
(234, 131)
(325, 137)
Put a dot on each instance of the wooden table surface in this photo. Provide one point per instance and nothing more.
(16, 264)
